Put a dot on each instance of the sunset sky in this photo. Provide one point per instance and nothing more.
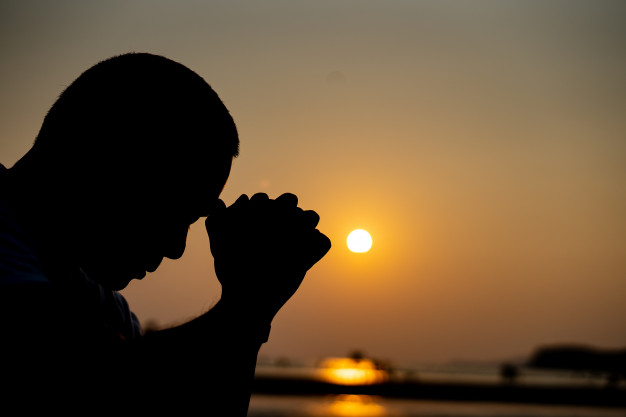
(481, 143)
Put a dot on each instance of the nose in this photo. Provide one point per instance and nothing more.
(175, 242)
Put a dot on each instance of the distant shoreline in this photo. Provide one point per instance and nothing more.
(448, 391)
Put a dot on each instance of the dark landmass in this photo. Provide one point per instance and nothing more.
(581, 359)
(607, 367)
(591, 396)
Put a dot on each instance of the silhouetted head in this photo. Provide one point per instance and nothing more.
(132, 152)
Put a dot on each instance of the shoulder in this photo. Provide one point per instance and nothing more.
(26, 291)
(118, 315)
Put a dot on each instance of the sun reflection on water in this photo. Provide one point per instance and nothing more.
(351, 406)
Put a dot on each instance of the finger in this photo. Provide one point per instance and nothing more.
(259, 197)
(309, 219)
(319, 246)
(242, 200)
(287, 199)
(323, 242)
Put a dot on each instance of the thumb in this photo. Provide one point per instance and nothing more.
(218, 208)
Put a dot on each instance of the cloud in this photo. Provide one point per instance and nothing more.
(336, 78)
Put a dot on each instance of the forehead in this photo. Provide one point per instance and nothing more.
(201, 183)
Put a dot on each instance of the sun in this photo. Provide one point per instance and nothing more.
(359, 241)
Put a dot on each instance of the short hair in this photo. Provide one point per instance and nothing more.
(134, 107)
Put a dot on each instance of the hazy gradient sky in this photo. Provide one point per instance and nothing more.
(482, 144)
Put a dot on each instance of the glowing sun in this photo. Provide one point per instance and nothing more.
(359, 241)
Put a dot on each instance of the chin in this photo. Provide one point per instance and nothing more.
(114, 281)
(116, 285)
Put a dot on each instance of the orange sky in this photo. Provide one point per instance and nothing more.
(482, 144)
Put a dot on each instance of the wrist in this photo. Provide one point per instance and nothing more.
(249, 306)
(242, 321)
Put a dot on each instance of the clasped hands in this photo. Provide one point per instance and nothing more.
(262, 249)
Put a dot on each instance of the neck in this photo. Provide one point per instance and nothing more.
(39, 210)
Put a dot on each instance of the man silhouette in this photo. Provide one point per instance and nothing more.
(132, 153)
